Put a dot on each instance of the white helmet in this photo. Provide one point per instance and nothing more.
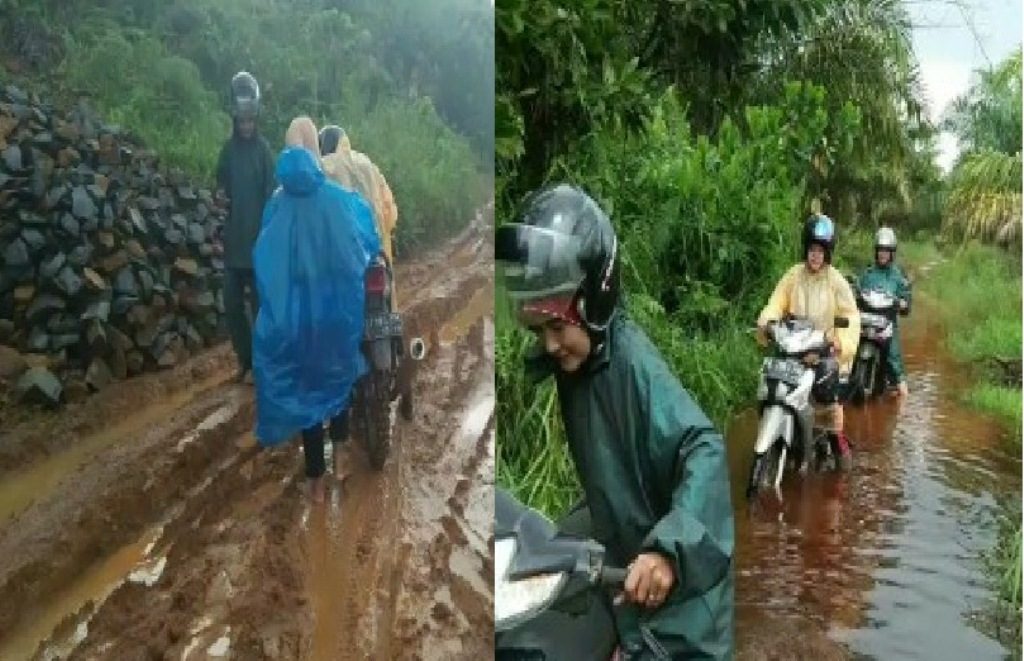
(885, 239)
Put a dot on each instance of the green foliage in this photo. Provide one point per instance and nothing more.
(700, 130)
(161, 70)
(984, 200)
(707, 227)
(1001, 402)
(437, 197)
(1004, 567)
(988, 115)
(137, 84)
(445, 50)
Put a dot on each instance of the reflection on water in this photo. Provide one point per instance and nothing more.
(884, 559)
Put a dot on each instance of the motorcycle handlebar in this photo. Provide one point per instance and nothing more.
(613, 577)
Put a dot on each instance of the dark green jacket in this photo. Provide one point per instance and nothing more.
(245, 170)
(654, 473)
(890, 279)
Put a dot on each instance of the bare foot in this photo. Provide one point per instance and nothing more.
(902, 389)
(342, 462)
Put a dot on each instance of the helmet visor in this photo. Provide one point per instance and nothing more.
(536, 264)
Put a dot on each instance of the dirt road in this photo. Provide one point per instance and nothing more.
(144, 523)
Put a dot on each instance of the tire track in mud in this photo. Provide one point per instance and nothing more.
(378, 540)
(174, 537)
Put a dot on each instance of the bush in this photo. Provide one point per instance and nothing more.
(162, 72)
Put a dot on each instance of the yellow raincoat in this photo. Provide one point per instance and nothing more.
(820, 297)
(356, 172)
(302, 133)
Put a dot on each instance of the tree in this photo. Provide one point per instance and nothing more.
(984, 199)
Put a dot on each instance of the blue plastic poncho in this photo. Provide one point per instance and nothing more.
(310, 262)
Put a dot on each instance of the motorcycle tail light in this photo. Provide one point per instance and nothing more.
(376, 280)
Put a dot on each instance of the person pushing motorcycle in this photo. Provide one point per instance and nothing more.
(885, 275)
(651, 464)
(815, 290)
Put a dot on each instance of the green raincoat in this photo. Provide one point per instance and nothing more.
(890, 279)
(245, 170)
(654, 474)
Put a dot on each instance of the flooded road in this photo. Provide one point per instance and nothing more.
(881, 563)
(145, 522)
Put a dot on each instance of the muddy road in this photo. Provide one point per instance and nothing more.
(882, 563)
(144, 523)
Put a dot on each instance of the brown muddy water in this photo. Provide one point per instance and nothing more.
(881, 563)
(145, 522)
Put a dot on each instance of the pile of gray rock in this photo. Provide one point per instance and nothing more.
(108, 262)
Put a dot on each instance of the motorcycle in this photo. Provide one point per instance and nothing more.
(550, 588)
(389, 377)
(786, 410)
(877, 324)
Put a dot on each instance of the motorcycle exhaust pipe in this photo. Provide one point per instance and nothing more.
(417, 349)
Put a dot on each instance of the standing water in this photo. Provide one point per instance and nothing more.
(882, 562)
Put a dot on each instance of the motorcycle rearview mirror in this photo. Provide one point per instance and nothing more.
(842, 322)
(536, 565)
(417, 349)
(518, 600)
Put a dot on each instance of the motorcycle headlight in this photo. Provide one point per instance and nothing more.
(516, 601)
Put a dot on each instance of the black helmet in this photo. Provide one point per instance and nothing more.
(245, 96)
(562, 245)
(330, 136)
(820, 229)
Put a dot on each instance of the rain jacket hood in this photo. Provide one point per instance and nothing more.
(302, 133)
(654, 473)
(298, 171)
(356, 172)
(310, 262)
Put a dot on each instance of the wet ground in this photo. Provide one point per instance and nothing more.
(145, 523)
(882, 563)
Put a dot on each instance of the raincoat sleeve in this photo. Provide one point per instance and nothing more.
(779, 302)
(688, 459)
(367, 228)
(846, 306)
(388, 208)
(223, 175)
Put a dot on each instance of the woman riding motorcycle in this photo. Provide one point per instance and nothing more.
(885, 276)
(815, 290)
(651, 464)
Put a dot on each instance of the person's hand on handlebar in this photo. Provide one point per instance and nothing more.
(649, 581)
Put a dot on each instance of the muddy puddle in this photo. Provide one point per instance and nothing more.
(884, 562)
(171, 535)
(19, 488)
(387, 548)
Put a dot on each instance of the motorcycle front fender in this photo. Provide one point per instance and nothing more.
(867, 351)
(776, 422)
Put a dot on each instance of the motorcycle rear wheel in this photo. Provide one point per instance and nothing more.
(375, 413)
